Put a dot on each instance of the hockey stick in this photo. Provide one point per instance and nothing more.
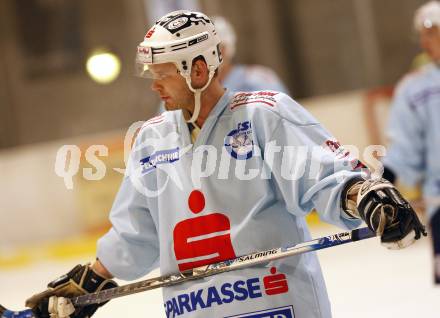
(209, 270)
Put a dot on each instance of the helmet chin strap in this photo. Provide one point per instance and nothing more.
(197, 96)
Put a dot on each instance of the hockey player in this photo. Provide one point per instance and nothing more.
(222, 174)
(414, 125)
(239, 77)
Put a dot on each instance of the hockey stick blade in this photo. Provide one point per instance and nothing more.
(210, 270)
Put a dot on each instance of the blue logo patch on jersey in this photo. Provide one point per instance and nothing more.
(280, 312)
(239, 142)
(164, 156)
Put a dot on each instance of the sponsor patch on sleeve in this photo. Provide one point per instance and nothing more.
(341, 153)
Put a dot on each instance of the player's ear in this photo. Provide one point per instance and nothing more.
(199, 73)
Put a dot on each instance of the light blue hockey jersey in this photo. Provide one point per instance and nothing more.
(414, 133)
(230, 193)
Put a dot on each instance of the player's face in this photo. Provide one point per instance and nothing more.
(430, 42)
(171, 87)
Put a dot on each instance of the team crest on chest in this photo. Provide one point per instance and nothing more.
(239, 142)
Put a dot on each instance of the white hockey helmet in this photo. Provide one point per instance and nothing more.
(179, 37)
(427, 16)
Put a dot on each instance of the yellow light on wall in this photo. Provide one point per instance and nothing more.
(103, 66)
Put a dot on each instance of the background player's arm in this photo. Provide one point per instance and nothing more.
(405, 153)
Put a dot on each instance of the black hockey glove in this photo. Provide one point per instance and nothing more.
(79, 281)
(388, 214)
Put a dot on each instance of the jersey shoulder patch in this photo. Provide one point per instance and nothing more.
(258, 98)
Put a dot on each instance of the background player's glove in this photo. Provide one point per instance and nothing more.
(388, 214)
(79, 281)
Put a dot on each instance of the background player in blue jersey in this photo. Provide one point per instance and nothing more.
(241, 77)
(244, 181)
(414, 125)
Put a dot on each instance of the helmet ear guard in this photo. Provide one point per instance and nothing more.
(179, 37)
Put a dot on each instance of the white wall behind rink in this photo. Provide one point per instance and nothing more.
(35, 205)
(342, 114)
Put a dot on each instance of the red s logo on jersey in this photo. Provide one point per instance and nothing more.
(204, 239)
(276, 283)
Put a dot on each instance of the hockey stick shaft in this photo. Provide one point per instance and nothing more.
(225, 266)
(210, 270)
